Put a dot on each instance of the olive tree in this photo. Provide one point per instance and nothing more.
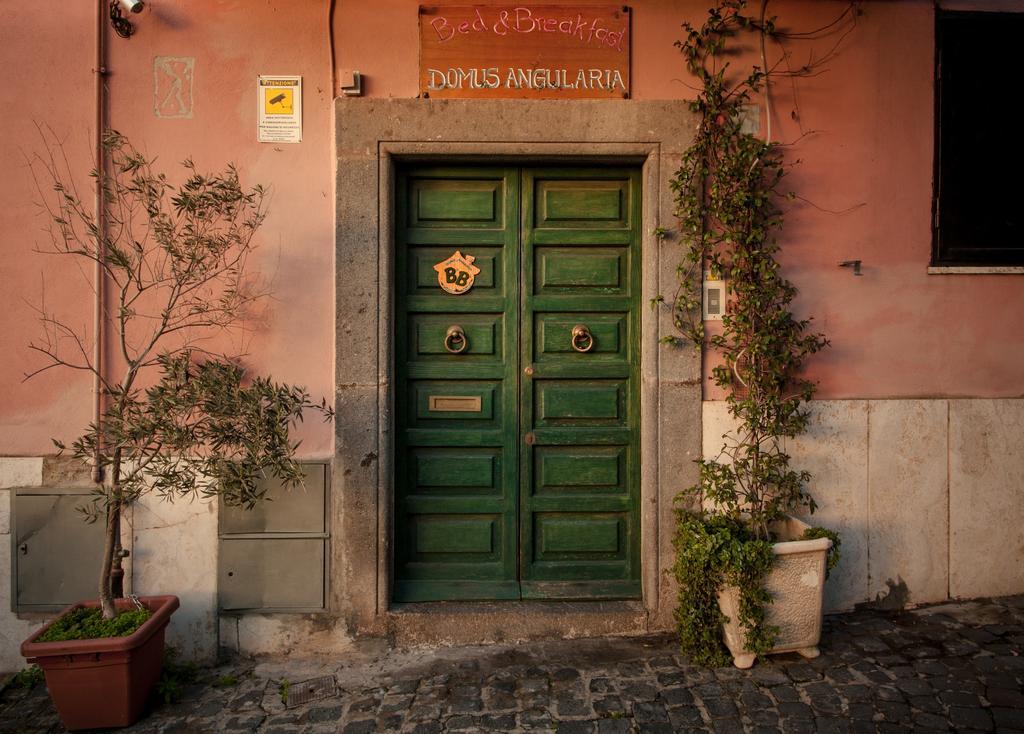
(179, 418)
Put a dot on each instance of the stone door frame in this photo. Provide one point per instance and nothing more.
(372, 136)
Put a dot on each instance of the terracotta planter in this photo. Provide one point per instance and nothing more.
(105, 682)
(796, 583)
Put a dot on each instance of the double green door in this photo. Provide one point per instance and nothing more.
(517, 383)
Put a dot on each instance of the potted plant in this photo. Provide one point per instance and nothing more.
(180, 420)
(742, 561)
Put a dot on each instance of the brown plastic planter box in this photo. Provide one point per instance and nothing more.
(103, 683)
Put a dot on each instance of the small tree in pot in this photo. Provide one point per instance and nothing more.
(180, 421)
(727, 191)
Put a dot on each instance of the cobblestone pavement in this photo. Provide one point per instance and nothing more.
(954, 666)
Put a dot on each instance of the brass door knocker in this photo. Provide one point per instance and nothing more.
(455, 341)
(582, 339)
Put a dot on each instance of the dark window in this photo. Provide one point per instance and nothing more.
(979, 169)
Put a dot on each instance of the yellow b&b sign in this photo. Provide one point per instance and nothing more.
(455, 274)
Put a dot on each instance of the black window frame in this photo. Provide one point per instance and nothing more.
(962, 236)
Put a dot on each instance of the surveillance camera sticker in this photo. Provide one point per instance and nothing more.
(280, 109)
(279, 102)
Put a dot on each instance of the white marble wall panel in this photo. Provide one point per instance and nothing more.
(986, 495)
(835, 451)
(908, 508)
(5, 511)
(21, 471)
(175, 552)
(283, 634)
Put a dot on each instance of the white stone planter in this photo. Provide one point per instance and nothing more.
(796, 584)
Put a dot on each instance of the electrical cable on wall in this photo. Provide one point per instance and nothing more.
(330, 45)
(767, 81)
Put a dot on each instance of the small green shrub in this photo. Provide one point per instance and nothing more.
(174, 676)
(28, 678)
(711, 552)
(833, 553)
(283, 689)
(87, 623)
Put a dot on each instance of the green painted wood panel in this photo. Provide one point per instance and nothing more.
(424, 277)
(572, 537)
(456, 469)
(455, 534)
(446, 202)
(456, 473)
(562, 270)
(554, 335)
(482, 335)
(579, 529)
(562, 202)
(584, 469)
(488, 393)
(536, 494)
(566, 401)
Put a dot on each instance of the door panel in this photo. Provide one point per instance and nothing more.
(456, 477)
(579, 402)
(446, 202)
(483, 332)
(554, 335)
(436, 404)
(559, 470)
(423, 278)
(578, 270)
(580, 199)
(516, 463)
(580, 408)
(457, 470)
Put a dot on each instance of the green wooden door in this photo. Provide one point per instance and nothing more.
(516, 472)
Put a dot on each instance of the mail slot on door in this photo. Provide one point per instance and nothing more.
(455, 403)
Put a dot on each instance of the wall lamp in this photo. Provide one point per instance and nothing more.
(122, 26)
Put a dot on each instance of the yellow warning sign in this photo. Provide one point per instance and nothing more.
(277, 101)
(279, 104)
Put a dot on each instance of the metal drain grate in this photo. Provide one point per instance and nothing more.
(313, 689)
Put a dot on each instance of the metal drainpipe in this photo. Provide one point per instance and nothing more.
(97, 321)
(99, 330)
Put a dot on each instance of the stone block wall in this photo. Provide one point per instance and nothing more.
(928, 495)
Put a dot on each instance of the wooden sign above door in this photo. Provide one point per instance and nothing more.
(524, 51)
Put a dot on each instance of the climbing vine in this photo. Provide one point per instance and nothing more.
(728, 192)
(712, 552)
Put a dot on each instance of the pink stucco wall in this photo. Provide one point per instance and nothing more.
(896, 332)
(231, 42)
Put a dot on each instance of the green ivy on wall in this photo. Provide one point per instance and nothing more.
(727, 194)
